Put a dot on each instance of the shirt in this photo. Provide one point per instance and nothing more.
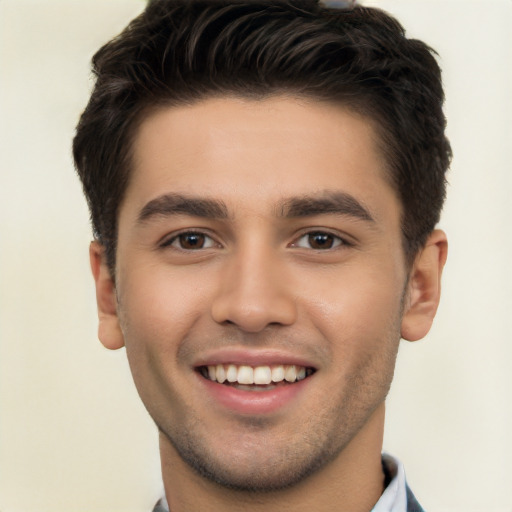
(397, 497)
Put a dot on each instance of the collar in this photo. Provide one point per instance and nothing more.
(394, 497)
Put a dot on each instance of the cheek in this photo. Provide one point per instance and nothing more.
(356, 309)
(160, 307)
(360, 319)
(157, 312)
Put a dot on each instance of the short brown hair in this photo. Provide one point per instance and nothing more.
(181, 51)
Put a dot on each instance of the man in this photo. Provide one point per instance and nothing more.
(264, 179)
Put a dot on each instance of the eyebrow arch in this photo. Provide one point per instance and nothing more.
(178, 204)
(338, 203)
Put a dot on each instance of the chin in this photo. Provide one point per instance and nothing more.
(261, 474)
(257, 461)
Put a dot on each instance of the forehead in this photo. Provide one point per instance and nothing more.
(267, 149)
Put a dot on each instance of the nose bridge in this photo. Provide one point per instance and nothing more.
(254, 291)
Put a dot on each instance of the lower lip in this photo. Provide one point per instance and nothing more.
(254, 402)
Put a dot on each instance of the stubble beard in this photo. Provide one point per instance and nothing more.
(265, 470)
(312, 445)
(306, 447)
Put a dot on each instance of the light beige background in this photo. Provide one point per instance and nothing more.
(74, 436)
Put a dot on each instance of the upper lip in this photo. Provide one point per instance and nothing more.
(252, 357)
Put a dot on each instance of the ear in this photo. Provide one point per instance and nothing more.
(424, 287)
(109, 330)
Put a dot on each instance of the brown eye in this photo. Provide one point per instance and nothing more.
(191, 241)
(319, 240)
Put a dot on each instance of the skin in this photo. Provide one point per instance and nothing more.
(260, 282)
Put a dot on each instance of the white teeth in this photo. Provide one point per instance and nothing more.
(262, 375)
(245, 375)
(290, 374)
(221, 373)
(277, 373)
(259, 375)
(232, 373)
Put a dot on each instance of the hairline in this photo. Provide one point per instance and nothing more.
(149, 108)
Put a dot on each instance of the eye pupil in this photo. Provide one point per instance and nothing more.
(192, 240)
(321, 240)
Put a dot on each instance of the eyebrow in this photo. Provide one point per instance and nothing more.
(177, 204)
(338, 203)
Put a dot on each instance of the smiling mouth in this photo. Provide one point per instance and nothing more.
(255, 378)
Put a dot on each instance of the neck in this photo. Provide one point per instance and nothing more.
(353, 481)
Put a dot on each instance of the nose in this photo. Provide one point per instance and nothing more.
(254, 292)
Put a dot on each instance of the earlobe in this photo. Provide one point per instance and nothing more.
(424, 287)
(109, 330)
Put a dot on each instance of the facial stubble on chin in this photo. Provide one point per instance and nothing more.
(323, 439)
(284, 471)
(298, 457)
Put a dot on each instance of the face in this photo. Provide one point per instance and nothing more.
(260, 284)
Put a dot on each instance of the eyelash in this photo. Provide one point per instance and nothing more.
(337, 241)
(176, 238)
